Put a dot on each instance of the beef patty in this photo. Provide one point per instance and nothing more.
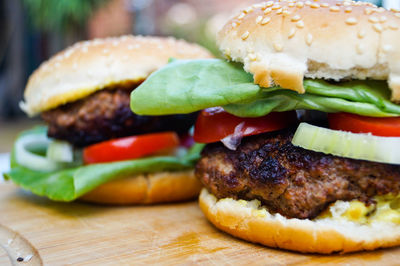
(105, 115)
(289, 180)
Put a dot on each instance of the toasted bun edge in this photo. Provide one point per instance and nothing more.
(249, 221)
(151, 188)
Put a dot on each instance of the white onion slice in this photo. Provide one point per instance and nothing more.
(233, 141)
(31, 160)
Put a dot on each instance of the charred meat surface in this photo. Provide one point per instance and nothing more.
(289, 180)
(106, 115)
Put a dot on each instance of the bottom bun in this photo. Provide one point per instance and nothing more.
(250, 221)
(147, 189)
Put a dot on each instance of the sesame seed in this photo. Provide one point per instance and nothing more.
(325, 5)
(299, 4)
(278, 47)
(361, 34)
(378, 27)
(267, 11)
(241, 16)
(291, 5)
(395, 10)
(249, 9)
(348, 10)
(346, 3)
(307, 3)
(265, 21)
(286, 13)
(387, 48)
(334, 9)
(359, 48)
(258, 19)
(382, 19)
(393, 27)
(315, 5)
(269, 3)
(295, 18)
(252, 57)
(245, 35)
(234, 24)
(279, 11)
(373, 19)
(292, 32)
(275, 7)
(351, 21)
(309, 39)
(259, 5)
(381, 10)
(300, 24)
(368, 11)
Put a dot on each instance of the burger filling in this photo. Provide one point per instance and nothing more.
(98, 139)
(106, 115)
(351, 157)
(289, 180)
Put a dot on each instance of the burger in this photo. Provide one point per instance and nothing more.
(93, 147)
(301, 124)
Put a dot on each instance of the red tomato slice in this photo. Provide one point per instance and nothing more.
(129, 147)
(214, 124)
(378, 126)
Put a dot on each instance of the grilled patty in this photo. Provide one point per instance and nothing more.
(106, 115)
(289, 180)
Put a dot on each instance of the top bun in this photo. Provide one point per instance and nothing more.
(281, 42)
(89, 66)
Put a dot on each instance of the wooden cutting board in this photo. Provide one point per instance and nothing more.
(172, 234)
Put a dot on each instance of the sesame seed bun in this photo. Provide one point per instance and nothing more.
(147, 189)
(281, 42)
(252, 222)
(89, 66)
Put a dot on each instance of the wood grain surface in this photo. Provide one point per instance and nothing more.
(170, 234)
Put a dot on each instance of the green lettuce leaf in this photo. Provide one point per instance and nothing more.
(285, 100)
(70, 184)
(186, 86)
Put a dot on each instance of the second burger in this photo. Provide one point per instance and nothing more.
(94, 147)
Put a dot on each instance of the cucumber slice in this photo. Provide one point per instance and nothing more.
(60, 151)
(349, 145)
(25, 156)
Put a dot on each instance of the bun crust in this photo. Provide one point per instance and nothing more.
(281, 42)
(90, 66)
(249, 221)
(147, 189)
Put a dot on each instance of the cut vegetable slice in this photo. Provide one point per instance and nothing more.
(60, 151)
(349, 145)
(25, 157)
